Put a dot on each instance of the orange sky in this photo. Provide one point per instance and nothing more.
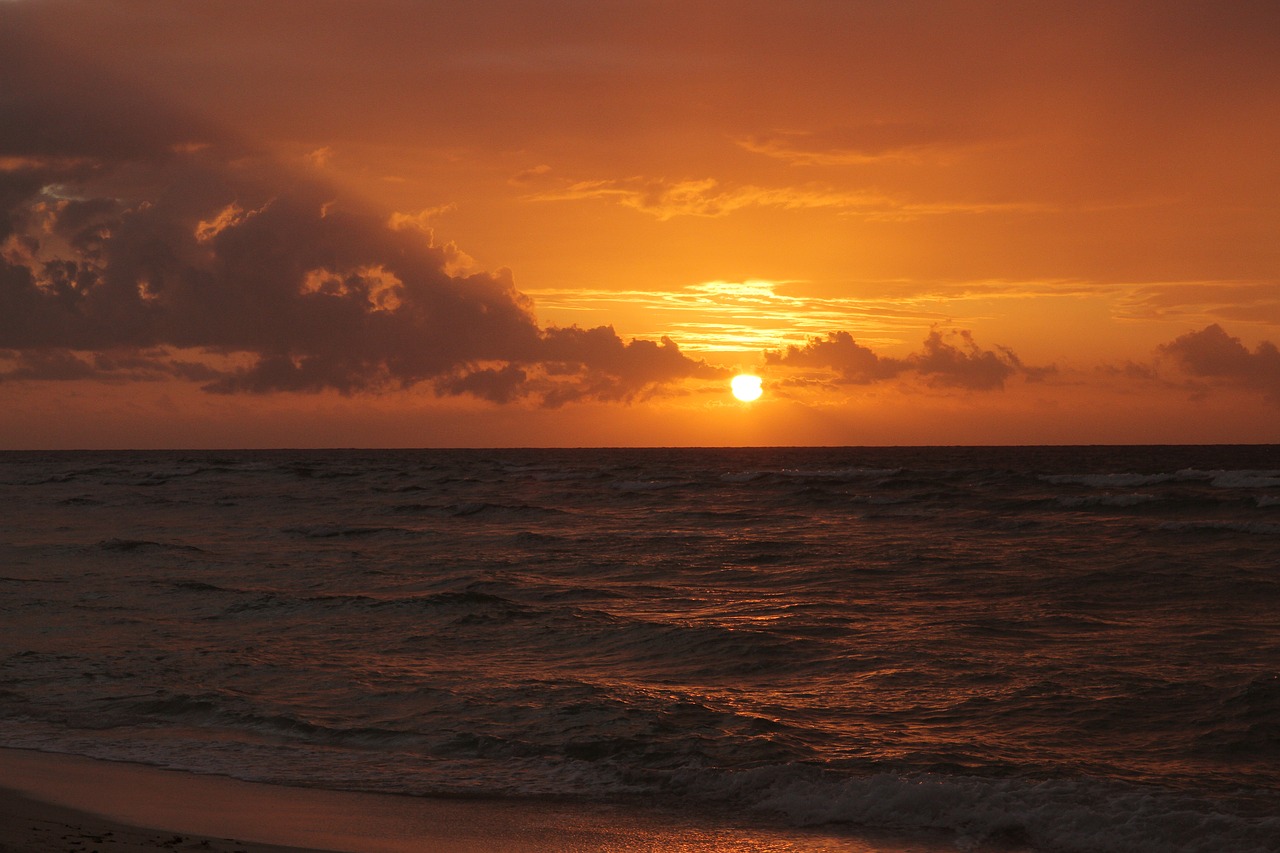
(515, 222)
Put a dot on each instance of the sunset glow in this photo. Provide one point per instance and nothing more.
(564, 223)
(706, 426)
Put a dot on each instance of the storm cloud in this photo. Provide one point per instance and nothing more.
(127, 229)
(940, 361)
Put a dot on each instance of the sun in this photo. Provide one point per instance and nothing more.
(746, 387)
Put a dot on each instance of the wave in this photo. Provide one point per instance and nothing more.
(1052, 815)
(1221, 478)
(646, 485)
(970, 810)
(321, 472)
(714, 653)
(63, 476)
(557, 476)
(501, 510)
(221, 711)
(1081, 501)
(742, 476)
(127, 545)
(1247, 479)
(199, 586)
(341, 531)
(1245, 729)
(464, 509)
(902, 639)
(452, 608)
(1109, 481)
(840, 474)
(1259, 528)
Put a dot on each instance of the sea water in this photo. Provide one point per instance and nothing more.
(1060, 649)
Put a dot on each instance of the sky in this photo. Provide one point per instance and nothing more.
(401, 223)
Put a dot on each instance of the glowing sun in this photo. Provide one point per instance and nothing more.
(746, 387)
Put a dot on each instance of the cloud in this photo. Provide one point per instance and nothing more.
(48, 365)
(529, 176)
(421, 220)
(666, 199)
(853, 363)
(497, 385)
(609, 369)
(941, 363)
(1213, 354)
(52, 365)
(1240, 301)
(125, 228)
(321, 157)
(736, 316)
(871, 142)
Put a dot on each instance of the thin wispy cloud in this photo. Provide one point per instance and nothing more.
(724, 316)
(874, 142)
(1236, 301)
(709, 197)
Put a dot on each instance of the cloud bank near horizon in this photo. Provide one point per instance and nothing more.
(1212, 354)
(1197, 361)
(940, 362)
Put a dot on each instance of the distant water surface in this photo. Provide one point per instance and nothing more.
(1062, 649)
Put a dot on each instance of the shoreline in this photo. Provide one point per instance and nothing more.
(52, 801)
(34, 826)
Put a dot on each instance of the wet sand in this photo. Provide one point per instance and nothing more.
(32, 826)
(67, 803)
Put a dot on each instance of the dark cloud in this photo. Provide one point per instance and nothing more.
(1130, 370)
(940, 362)
(1213, 354)
(52, 365)
(127, 228)
(497, 385)
(840, 352)
(966, 366)
(117, 366)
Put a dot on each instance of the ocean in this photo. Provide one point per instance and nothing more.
(1058, 649)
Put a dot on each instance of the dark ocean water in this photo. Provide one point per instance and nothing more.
(1061, 649)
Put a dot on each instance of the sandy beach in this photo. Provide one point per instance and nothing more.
(33, 826)
(67, 803)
